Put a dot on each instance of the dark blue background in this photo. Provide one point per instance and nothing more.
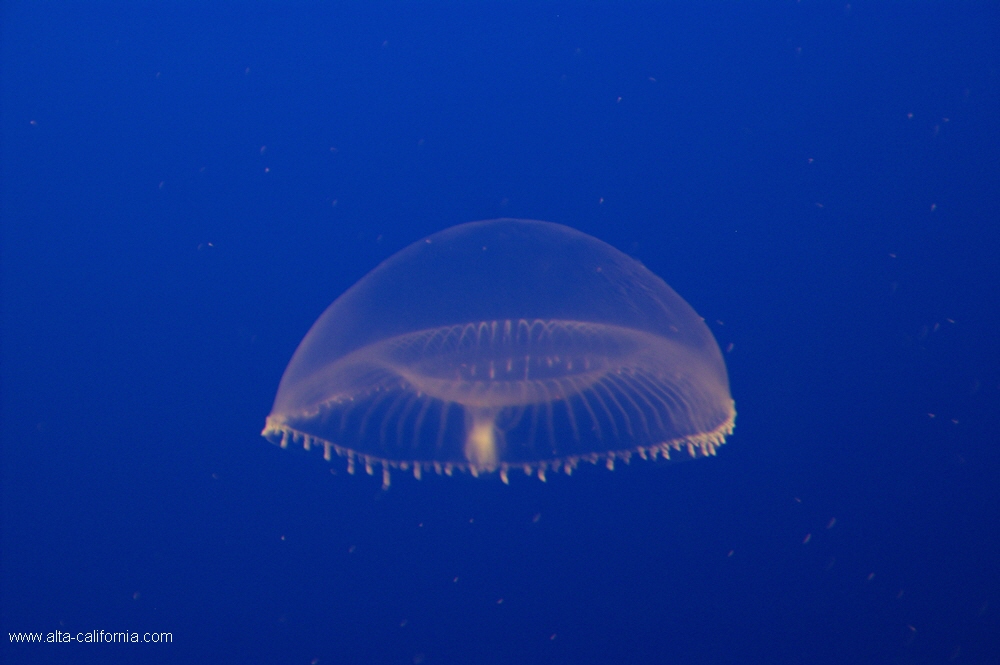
(186, 186)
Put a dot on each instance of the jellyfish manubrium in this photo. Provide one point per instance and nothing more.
(501, 346)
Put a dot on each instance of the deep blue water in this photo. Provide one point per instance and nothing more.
(187, 186)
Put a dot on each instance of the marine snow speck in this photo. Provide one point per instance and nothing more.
(501, 346)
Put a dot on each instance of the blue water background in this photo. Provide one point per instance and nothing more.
(187, 186)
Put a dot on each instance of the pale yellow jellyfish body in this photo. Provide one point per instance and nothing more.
(505, 345)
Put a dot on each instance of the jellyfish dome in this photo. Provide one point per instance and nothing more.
(500, 346)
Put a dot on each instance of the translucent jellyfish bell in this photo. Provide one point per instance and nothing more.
(505, 345)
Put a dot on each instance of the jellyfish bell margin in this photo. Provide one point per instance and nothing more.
(701, 446)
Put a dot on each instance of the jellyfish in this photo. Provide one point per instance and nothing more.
(501, 346)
